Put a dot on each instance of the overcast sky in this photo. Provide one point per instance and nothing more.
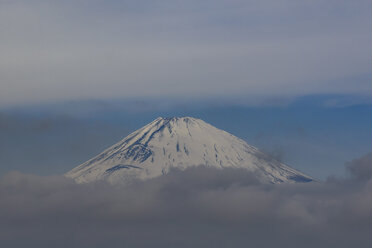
(61, 50)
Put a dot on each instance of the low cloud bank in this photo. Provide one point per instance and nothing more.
(199, 207)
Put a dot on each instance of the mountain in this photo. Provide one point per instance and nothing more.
(180, 142)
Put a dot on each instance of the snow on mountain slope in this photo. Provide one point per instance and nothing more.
(180, 142)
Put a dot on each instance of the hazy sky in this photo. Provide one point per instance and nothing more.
(60, 50)
(314, 134)
(152, 55)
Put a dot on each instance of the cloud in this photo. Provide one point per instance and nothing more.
(361, 168)
(93, 49)
(199, 207)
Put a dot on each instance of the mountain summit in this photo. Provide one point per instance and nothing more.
(180, 142)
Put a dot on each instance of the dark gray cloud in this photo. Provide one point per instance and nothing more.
(200, 207)
(93, 49)
(361, 168)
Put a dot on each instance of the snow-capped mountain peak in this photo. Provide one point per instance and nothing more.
(180, 142)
